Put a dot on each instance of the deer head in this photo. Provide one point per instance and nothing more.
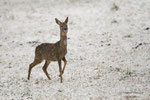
(63, 26)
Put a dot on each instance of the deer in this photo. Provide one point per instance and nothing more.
(52, 51)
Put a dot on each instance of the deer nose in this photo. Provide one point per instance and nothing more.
(65, 28)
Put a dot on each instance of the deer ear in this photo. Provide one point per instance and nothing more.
(57, 21)
(66, 21)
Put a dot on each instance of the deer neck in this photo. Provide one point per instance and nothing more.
(63, 39)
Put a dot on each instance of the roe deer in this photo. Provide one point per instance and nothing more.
(52, 51)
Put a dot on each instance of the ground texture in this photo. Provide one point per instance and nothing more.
(108, 49)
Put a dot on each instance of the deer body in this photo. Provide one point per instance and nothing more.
(52, 51)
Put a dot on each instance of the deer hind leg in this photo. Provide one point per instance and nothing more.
(35, 62)
(60, 70)
(47, 62)
(65, 62)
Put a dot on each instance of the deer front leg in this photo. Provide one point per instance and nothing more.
(65, 62)
(60, 70)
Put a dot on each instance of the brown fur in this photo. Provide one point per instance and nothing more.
(52, 51)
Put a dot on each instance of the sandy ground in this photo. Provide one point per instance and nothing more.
(105, 58)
